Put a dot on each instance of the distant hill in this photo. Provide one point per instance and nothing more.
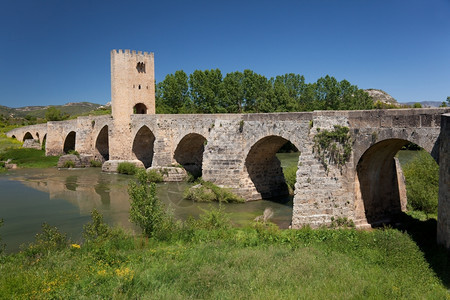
(382, 96)
(39, 111)
(426, 103)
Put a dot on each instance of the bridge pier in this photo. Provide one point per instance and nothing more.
(443, 222)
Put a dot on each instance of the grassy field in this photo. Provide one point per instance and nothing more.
(258, 262)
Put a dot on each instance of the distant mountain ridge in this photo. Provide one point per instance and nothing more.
(71, 108)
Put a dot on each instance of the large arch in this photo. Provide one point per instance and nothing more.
(264, 168)
(380, 194)
(27, 136)
(189, 153)
(102, 145)
(143, 146)
(69, 142)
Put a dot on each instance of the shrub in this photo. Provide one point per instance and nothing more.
(154, 176)
(49, 240)
(73, 152)
(95, 163)
(127, 168)
(207, 191)
(422, 183)
(213, 218)
(69, 164)
(146, 210)
(97, 229)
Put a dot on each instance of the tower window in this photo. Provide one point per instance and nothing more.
(139, 87)
(140, 67)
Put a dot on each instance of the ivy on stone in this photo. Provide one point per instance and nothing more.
(333, 146)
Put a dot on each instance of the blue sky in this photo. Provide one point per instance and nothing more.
(54, 52)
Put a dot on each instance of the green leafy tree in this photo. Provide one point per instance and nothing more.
(422, 183)
(232, 97)
(173, 93)
(205, 89)
(54, 114)
(146, 210)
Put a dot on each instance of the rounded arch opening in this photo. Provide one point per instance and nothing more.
(265, 169)
(102, 145)
(37, 135)
(69, 142)
(189, 153)
(380, 187)
(14, 137)
(27, 136)
(140, 108)
(44, 141)
(143, 146)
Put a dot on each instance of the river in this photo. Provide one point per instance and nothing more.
(65, 198)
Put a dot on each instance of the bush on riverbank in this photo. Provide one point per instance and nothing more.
(127, 168)
(206, 191)
(290, 175)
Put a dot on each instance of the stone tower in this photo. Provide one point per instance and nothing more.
(132, 84)
(132, 92)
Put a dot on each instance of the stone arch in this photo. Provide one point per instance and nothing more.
(189, 153)
(140, 108)
(27, 136)
(143, 146)
(102, 145)
(264, 168)
(380, 193)
(69, 142)
(14, 137)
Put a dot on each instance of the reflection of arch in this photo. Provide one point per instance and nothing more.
(264, 168)
(27, 136)
(140, 108)
(102, 144)
(380, 195)
(69, 142)
(189, 153)
(143, 146)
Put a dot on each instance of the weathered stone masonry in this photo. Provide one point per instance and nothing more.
(238, 150)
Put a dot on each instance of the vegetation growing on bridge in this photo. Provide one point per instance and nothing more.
(333, 146)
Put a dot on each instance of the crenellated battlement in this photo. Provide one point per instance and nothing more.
(131, 53)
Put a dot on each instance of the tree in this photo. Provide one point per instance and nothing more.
(205, 88)
(173, 93)
(54, 114)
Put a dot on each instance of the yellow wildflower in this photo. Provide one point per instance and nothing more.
(75, 246)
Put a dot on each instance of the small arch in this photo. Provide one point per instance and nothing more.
(27, 136)
(102, 145)
(140, 108)
(264, 168)
(69, 142)
(189, 153)
(37, 135)
(44, 141)
(143, 146)
(14, 137)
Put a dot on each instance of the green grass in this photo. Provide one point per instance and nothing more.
(253, 263)
(29, 158)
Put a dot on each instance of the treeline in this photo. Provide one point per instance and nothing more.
(248, 92)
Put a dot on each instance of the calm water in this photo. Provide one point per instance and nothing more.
(65, 198)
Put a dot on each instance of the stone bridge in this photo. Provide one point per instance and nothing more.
(238, 151)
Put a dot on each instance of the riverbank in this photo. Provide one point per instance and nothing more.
(205, 262)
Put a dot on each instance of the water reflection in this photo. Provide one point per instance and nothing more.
(65, 199)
